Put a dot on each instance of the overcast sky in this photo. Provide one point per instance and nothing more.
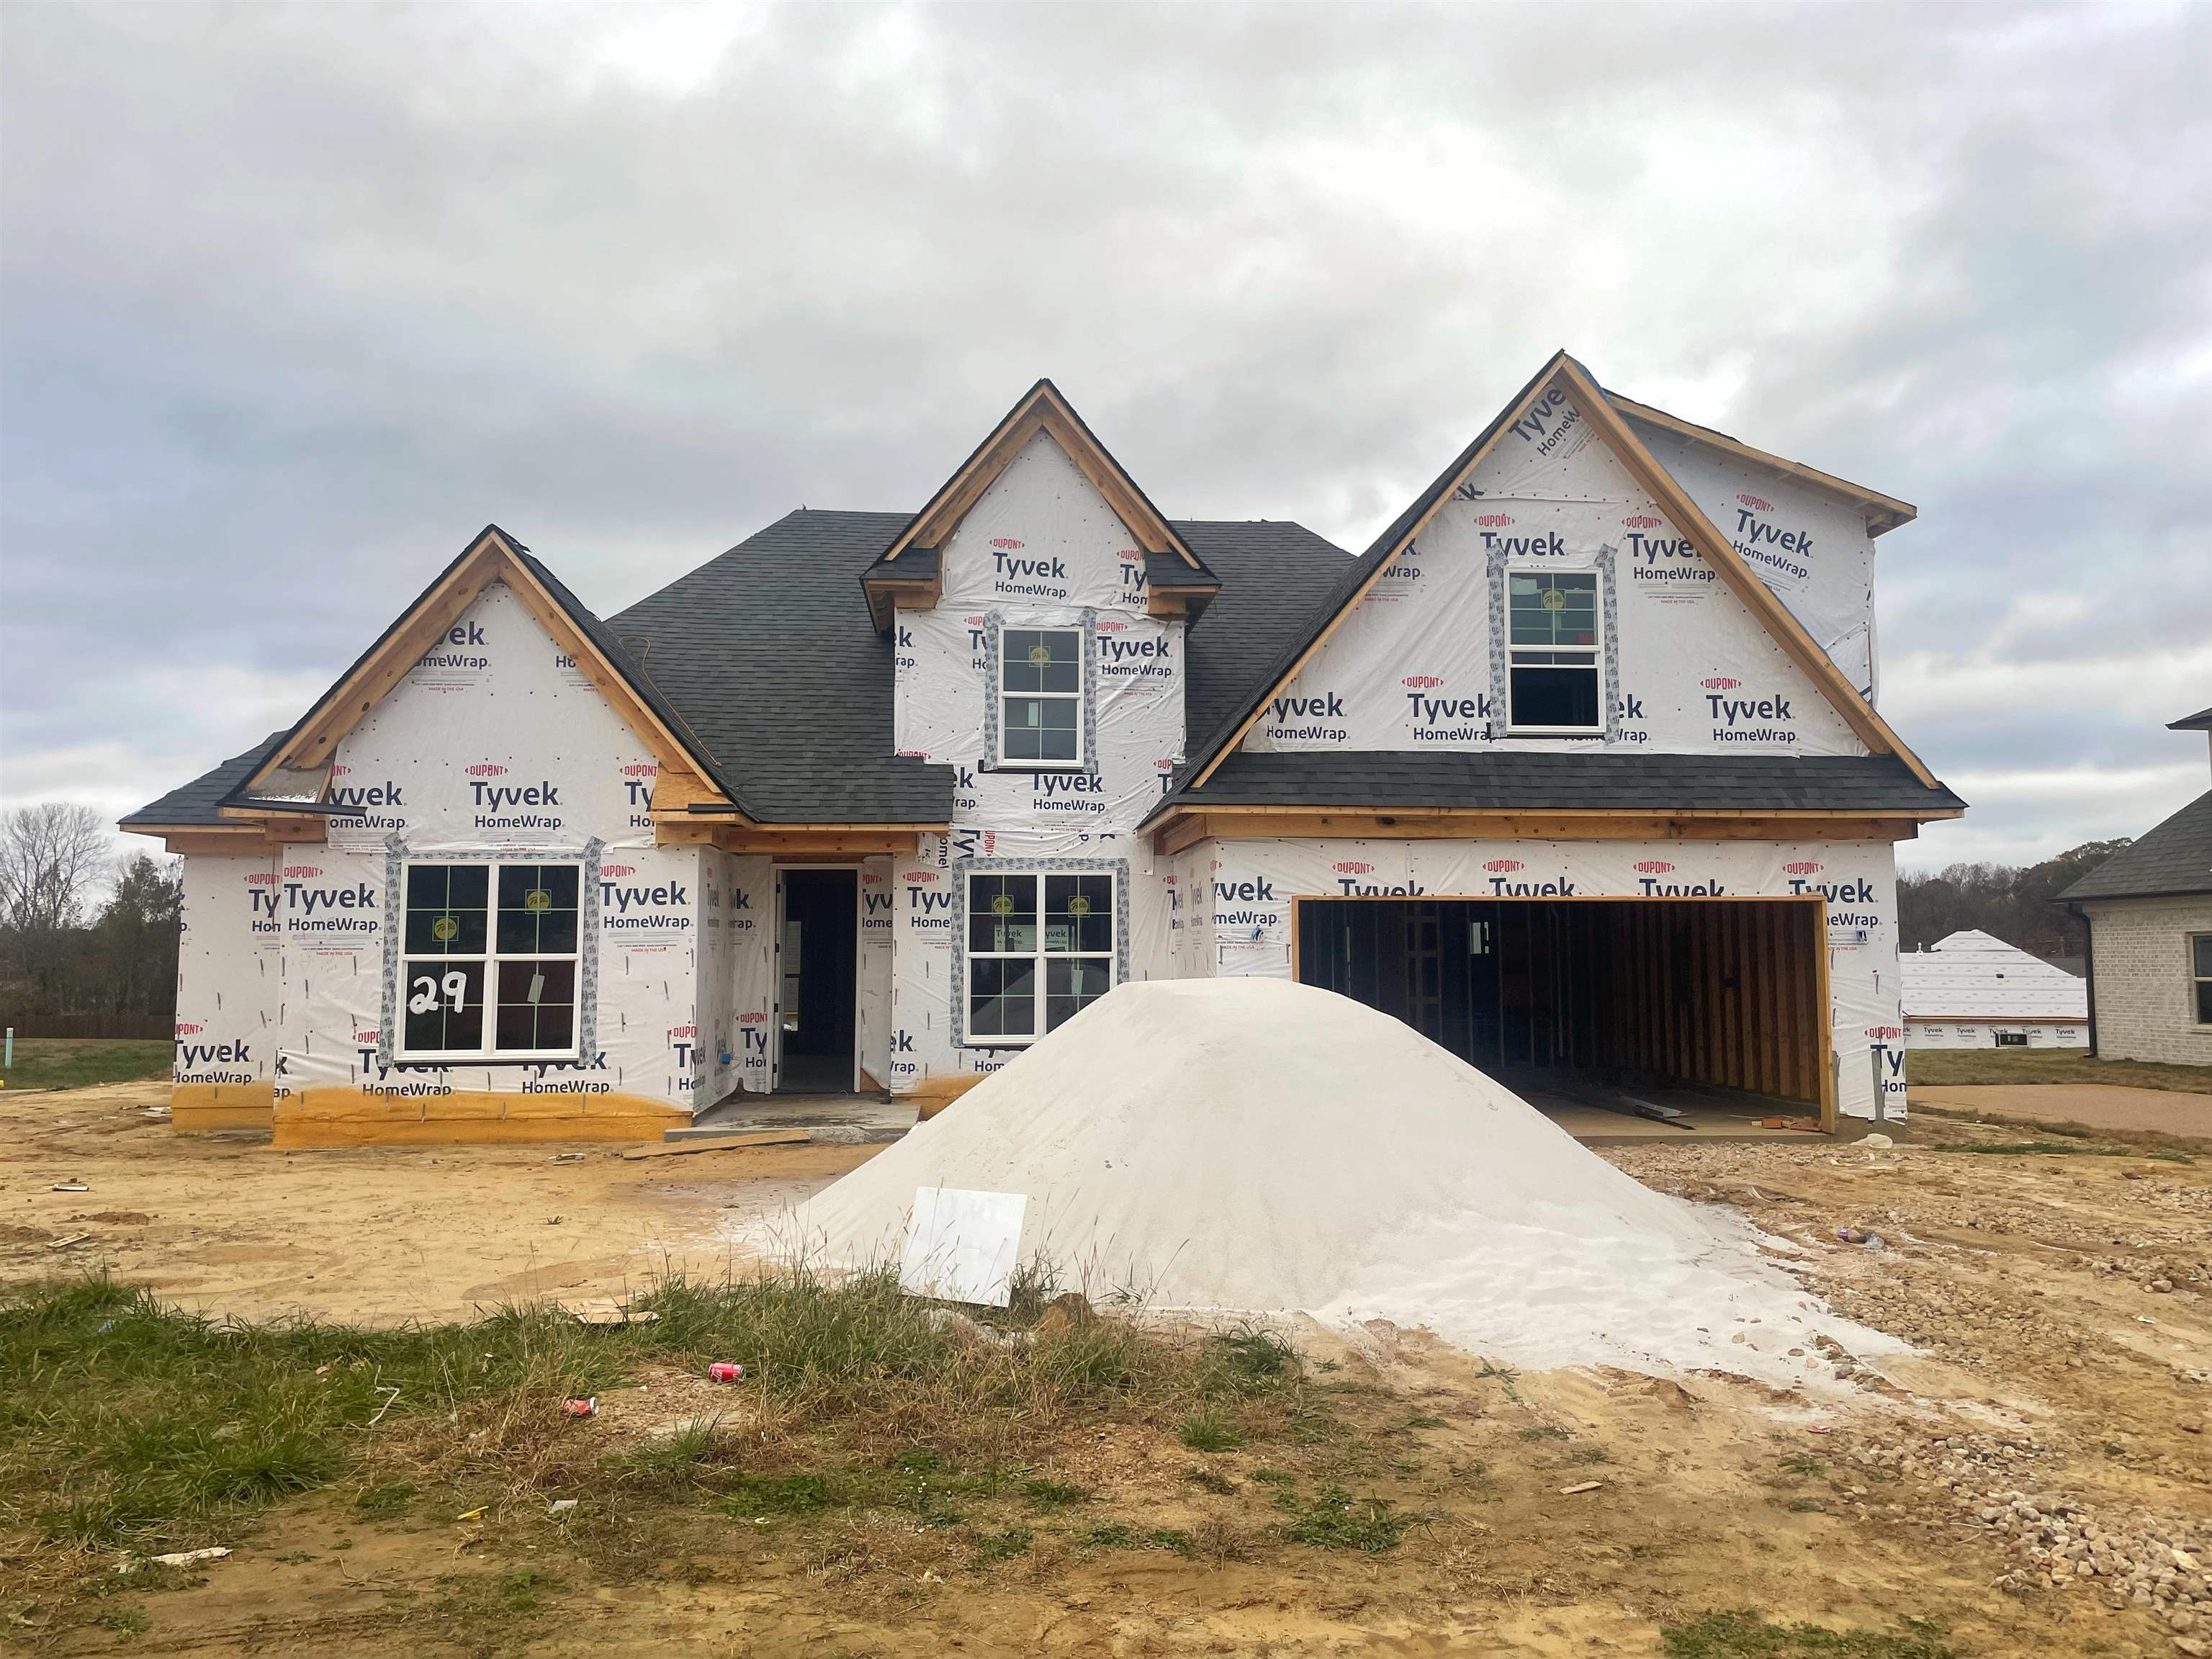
(294, 299)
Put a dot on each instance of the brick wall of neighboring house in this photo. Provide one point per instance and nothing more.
(2140, 958)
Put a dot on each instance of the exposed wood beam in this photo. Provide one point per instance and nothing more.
(1237, 824)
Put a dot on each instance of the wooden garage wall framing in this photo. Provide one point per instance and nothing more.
(1728, 991)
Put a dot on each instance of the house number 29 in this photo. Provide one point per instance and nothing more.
(425, 999)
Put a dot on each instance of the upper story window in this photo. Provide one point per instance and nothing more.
(1554, 672)
(489, 962)
(1040, 696)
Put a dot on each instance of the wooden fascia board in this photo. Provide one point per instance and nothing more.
(311, 743)
(671, 751)
(1526, 826)
(1536, 389)
(1690, 518)
(964, 487)
(1144, 521)
(1041, 411)
(1889, 508)
(1915, 814)
(490, 560)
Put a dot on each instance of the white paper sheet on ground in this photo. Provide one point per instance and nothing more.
(961, 1246)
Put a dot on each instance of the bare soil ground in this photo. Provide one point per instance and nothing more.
(2056, 1376)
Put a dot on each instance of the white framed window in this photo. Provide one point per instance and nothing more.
(490, 961)
(2200, 977)
(1553, 667)
(1040, 950)
(1040, 696)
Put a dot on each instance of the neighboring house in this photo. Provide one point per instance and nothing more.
(1973, 990)
(1576, 768)
(2149, 909)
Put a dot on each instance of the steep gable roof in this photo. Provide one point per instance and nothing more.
(1564, 373)
(291, 774)
(909, 567)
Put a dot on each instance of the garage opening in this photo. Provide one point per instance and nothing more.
(1608, 1012)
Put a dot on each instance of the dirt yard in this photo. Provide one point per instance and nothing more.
(2037, 1482)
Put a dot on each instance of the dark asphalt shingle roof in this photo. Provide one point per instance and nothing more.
(1515, 780)
(769, 653)
(2176, 857)
(2199, 721)
(196, 802)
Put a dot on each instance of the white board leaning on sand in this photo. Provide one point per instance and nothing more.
(962, 1246)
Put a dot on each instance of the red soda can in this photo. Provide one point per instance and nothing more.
(580, 1408)
(726, 1371)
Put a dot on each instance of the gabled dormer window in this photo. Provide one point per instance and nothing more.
(1555, 654)
(1040, 696)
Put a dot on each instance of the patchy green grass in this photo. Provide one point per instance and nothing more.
(1208, 1430)
(1335, 1520)
(1053, 1494)
(79, 1063)
(996, 1546)
(1744, 1634)
(1120, 1535)
(1969, 1067)
(756, 1496)
(127, 1423)
(2068, 1149)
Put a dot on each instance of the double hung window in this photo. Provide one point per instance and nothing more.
(1554, 647)
(1040, 696)
(1040, 950)
(490, 961)
(2200, 977)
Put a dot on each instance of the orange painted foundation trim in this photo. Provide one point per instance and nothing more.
(200, 1107)
(934, 1094)
(347, 1117)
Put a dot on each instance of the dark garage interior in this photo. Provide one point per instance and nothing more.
(1616, 1005)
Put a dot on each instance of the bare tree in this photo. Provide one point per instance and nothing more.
(51, 857)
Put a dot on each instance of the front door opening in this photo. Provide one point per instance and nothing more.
(818, 957)
(1595, 1003)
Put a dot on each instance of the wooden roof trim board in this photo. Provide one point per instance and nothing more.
(1685, 513)
(1041, 408)
(1439, 493)
(1761, 600)
(1890, 511)
(491, 558)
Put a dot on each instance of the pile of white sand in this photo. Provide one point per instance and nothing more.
(1255, 1145)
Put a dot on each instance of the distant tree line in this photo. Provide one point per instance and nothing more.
(64, 948)
(2017, 903)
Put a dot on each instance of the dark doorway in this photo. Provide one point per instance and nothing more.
(1719, 993)
(819, 959)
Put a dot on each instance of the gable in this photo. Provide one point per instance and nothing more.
(1562, 383)
(1421, 661)
(1171, 578)
(295, 772)
(498, 734)
(1042, 546)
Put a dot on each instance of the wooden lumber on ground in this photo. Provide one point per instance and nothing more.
(721, 1144)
